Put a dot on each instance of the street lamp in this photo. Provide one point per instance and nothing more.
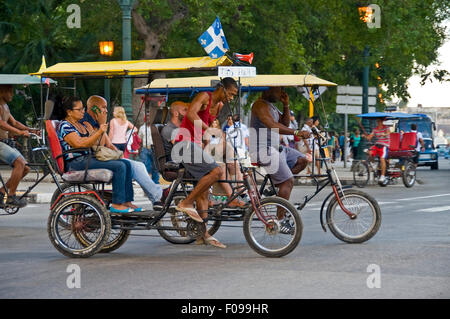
(106, 50)
(365, 14)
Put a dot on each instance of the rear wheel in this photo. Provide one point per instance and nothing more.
(361, 174)
(409, 174)
(79, 226)
(359, 229)
(174, 218)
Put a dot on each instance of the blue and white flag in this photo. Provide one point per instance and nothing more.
(213, 40)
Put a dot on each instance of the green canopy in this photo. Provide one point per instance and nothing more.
(24, 79)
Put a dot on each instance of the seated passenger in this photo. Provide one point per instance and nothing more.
(73, 134)
(96, 114)
(177, 112)
(221, 150)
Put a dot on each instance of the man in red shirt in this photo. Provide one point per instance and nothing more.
(188, 150)
(381, 133)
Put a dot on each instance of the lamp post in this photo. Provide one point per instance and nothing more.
(365, 15)
(106, 50)
(126, 6)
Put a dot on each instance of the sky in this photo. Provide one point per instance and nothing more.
(435, 94)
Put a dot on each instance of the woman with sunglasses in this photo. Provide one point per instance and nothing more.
(73, 134)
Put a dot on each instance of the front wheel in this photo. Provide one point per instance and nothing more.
(361, 174)
(359, 229)
(409, 174)
(282, 233)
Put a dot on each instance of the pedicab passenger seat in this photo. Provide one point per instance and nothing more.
(100, 175)
(168, 169)
(407, 146)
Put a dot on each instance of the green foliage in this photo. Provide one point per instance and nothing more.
(322, 37)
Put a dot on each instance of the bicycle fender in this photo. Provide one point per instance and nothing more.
(323, 206)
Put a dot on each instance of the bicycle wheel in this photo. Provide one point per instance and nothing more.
(174, 218)
(409, 174)
(117, 238)
(359, 229)
(89, 226)
(274, 239)
(361, 174)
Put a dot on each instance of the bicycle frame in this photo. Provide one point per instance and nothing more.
(331, 178)
(48, 170)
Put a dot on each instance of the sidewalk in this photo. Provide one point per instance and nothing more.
(42, 193)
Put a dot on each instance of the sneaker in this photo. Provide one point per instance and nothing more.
(381, 179)
(286, 227)
(158, 205)
(2, 199)
(165, 194)
(16, 201)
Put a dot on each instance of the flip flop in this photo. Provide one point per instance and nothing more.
(122, 211)
(214, 242)
(191, 212)
(237, 203)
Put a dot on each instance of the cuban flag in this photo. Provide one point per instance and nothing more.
(213, 40)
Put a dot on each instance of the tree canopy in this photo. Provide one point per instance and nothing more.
(325, 38)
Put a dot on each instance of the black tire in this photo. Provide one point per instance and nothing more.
(361, 174)
(435, 166)
(252, 225)
(117, 238)
(351, 197)
(88, 219)
(409, 174)
(178, 219)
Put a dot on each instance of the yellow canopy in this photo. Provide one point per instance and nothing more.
(131, 68)
(261, 80)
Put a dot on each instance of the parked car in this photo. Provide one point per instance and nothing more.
(443, 150)
(430, 156)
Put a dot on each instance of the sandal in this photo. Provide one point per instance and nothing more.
(237, 203)
(213, 242)
(191, 212)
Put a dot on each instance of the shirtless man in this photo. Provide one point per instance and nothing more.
(9, 155)
(267, 123)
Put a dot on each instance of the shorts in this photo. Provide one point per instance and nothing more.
(9, 154)
(196, 161)
(380, 151)
(279, 164)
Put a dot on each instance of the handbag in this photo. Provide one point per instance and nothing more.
(103, 153)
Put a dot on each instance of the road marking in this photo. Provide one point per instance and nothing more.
(434, 209)
(412, 198)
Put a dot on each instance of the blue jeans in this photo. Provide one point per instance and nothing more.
(146, 156)
(122, 182)
(140, 175)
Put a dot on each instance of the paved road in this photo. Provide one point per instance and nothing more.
(410, 253)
